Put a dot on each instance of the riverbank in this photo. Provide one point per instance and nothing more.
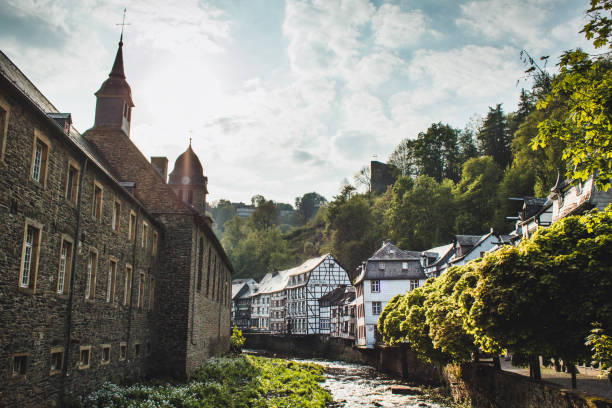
(237, 382)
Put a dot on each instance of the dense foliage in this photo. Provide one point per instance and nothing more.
(538, 299)
(237, 382)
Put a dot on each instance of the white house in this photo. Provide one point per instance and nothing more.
(306, 284)
(390, 271)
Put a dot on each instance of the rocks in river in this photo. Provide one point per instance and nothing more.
(405, 390)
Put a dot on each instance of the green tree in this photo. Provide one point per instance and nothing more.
(266, 214)
(445, 318)
(354, 232)
(421, 212)
(599, 27)
(403, 321)
(222, 211)
(494, 138)
(467, 146)
(307, 206)
(585, 87)
(542, 297)
(476, 195)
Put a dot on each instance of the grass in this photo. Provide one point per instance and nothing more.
(233, 382)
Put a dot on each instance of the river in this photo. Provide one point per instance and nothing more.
(360, 386)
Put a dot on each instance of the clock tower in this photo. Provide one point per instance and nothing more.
(188, 181)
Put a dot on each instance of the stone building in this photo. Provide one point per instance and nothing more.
(107, 272)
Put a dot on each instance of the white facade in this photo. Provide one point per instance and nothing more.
(260, 312)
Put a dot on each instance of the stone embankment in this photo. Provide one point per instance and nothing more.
(480, 385)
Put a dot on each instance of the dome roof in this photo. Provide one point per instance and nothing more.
(187, 164)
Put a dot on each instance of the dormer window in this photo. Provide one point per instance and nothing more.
(381, 266)
(405, 265)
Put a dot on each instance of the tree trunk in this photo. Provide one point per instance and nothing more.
(571, 367)
(496, 363)
(534, 368)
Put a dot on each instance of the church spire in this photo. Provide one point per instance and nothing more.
(117, 70)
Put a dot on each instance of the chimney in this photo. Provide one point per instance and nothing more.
(160, 164)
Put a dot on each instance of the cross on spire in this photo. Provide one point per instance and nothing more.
(122, 24)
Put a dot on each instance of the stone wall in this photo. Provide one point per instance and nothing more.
(484, 386)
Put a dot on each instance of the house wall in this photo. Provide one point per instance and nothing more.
(388, 289)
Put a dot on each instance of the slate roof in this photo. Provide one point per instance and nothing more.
(334, 295)
(442, 253)
(532, 206)
(388, 251)
(238, 284)
(307, 266)
(393, 259)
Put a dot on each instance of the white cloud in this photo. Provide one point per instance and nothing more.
(520, 21)
(395, 28)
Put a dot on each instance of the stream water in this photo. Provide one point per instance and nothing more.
(355, 386)
(360, 386)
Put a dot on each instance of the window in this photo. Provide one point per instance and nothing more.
(136, 350)
(116, 221)
(106, 355)
(96, 210)
(405, 265)
(155, 243)
(141, 290)
(92, 269)
(132, 226)
(57, 360)
(4, 117)
(111, 281)
(145, 234)
(20, 364)
(65, 266)
(127, 285)
(122, 350)
(414, 284)
(375, 286)
(40, 158)
(381, 266)
(151, 293)
(376, 308)
(72, 182)
(84, 357)
(29, 256)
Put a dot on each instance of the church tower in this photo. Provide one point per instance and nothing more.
(114, 98)
(188, 181)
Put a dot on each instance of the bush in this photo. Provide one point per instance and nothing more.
(237, 340)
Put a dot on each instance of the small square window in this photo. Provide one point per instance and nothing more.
(375, 286)
(405, 266)
(376, 308)
(106, 354)
(381, 266)
(414, 284)
(122, 350)
(20, 364)
(57, 360)
(84, 357)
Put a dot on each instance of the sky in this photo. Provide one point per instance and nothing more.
(282, 98)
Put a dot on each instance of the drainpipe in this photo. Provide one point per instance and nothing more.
(75, 251)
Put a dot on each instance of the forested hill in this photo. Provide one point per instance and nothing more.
(448, 181)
